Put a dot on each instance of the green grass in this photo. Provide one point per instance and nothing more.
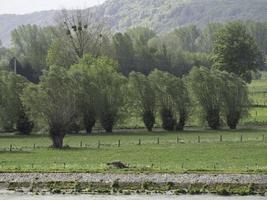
(257, 116)
(258, 98)
(210, 155)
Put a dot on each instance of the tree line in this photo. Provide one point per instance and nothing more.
(74, 74)
(94, 90)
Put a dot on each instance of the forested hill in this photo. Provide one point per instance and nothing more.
(160, 15)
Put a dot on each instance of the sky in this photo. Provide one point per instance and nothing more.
(28, 6)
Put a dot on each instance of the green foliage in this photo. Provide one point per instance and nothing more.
(31, 44)
(144, 59)
(173, 99)
(206, 89)
(219, 93)
(143, 98)
(124, 52)
(60, 56)
(207, 37)
(108, 86)
(186, 37)
(5, 56)
(236, 51)
(258, 30)
(24, 125)
(10, 104)
(235, 98)
(54, 101)
(87, 92)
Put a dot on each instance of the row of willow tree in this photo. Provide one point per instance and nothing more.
(75, 74)
(94, 90)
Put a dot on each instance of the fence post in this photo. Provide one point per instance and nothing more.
(81, 144)
(158, 141)
(64, 165)
(178, 139)
(98, 145)
(198, 139)
(221, 138)
(139, 143)
(119, 143)
(10, 147)
(241, 138)
(34, 146)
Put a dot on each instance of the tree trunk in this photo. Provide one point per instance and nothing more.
(182, 120)
(149, 120)
(24, 125)
(57, 141)
(89, 121)
(168, 121)
(57, 133)
(107, 121)
(213, 118)
(233, 119)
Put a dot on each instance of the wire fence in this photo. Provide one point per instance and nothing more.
(181, 166)
(143, 141)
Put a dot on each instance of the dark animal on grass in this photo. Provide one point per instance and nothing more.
(118, 165)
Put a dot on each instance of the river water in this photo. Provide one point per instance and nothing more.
(16, 196)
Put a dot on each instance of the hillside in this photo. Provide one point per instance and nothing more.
(160, 15)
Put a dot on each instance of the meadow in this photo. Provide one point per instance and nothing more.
(258, 97)
(201, 151)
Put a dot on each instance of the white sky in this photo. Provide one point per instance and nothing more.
(28, 6)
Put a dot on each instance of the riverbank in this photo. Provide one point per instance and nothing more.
(99, 183)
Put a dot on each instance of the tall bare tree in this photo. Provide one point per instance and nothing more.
(78, 32)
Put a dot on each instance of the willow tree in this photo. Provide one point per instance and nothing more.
(86, 91)
(206, 89)
(53, 101)
(10, 104)
(235, 98)
(110, 87)
(172, 98)
(143, 97)
(182, 102)
(12, 113)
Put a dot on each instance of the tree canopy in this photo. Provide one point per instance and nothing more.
(236, 51)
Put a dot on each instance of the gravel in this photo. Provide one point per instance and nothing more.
(133, 197)
(134, 178)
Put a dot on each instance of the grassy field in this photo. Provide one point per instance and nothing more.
(195, 151)
(258, 98)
